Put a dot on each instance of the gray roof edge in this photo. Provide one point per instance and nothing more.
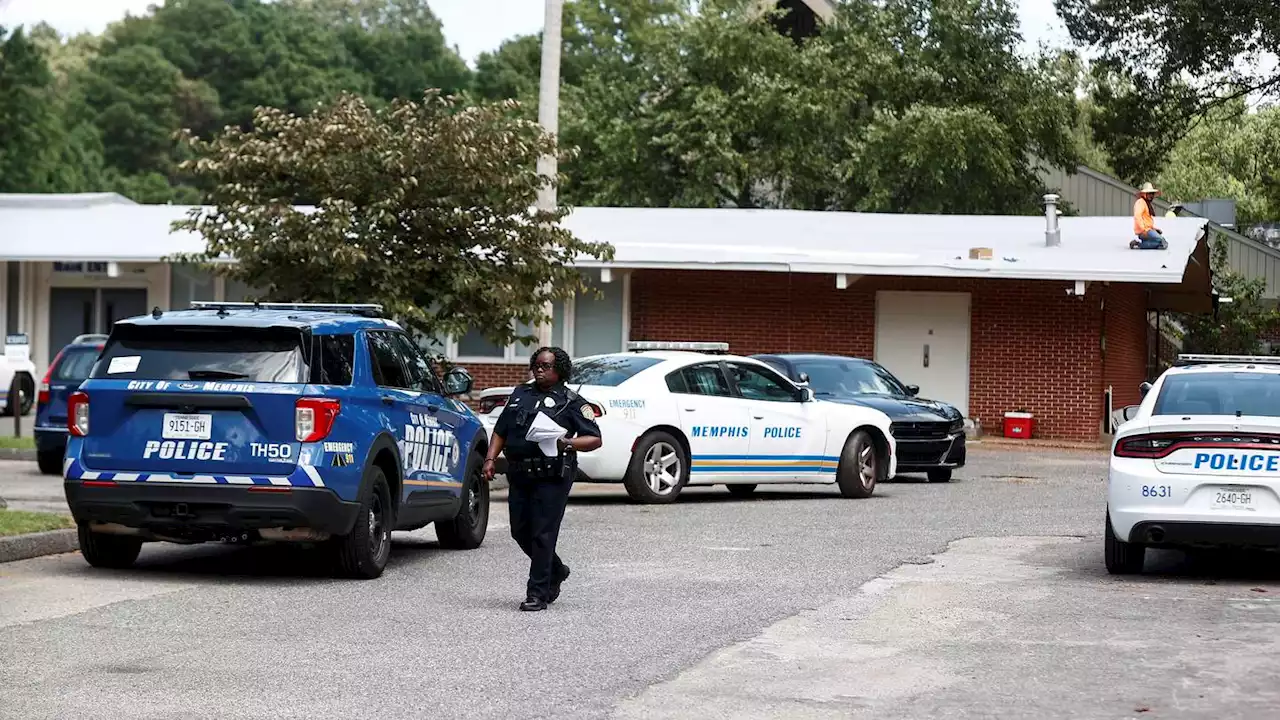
(62, 200)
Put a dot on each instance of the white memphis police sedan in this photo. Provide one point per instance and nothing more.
(1198, 462)
(677, 414)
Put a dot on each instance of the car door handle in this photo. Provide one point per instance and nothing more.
(388, 400)
(691, 409)
(758, 417)
(433, 408)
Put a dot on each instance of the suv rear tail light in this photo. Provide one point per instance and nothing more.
(78, 414)
(43, 397)
(313, 418)
(1145, 446)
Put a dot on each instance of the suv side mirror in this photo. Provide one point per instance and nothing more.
(1130, 412)
(1144, 388)
(913, 390)
(457, 382)
(806, 394)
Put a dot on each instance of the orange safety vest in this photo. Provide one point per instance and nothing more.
(1142, 221)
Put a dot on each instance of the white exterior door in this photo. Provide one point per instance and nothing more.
(923, 339)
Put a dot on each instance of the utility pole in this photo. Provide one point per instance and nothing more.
(549, 96)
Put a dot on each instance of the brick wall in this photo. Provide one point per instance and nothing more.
(1127, 332)
(1032, 346)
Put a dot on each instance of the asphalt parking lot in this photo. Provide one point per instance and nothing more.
(985, 597)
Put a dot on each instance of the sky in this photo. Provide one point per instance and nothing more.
(473, 26)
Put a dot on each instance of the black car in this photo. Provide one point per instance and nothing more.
(929, 434)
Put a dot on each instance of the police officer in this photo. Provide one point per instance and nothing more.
(539, 485)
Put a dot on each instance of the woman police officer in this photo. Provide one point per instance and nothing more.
(539, 485)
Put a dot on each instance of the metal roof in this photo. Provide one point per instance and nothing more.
(1092, 248)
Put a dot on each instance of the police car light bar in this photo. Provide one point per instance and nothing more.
(1232, 359)
(706, 347)
(365, 309)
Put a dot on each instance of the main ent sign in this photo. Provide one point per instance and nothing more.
(109, 269)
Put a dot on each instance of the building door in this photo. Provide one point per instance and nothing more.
(80, 311)
(923, 339)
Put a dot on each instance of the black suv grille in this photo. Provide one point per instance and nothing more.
(920, 430)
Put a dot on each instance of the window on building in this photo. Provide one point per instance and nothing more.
(237, 291)
(188, 284)
(593, 323)
(598, 321)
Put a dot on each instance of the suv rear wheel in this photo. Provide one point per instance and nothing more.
(50, 463)
(24, 384)
(107, 551)
(466, 530)
(363, 552)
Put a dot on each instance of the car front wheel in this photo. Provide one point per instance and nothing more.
(1123, 558)
(861, 466)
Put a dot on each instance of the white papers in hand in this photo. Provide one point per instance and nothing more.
(545, 432)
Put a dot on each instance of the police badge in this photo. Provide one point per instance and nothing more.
(587, 412)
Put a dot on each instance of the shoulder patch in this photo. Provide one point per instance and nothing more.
(587, 412)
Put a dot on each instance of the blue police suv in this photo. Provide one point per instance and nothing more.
(243, 422)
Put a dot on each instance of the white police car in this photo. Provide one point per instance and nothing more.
(1198, 462)
(677, 414)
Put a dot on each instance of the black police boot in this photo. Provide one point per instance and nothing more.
(533, 604)
(555, 585)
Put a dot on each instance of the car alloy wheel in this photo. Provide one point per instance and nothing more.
(662, 468)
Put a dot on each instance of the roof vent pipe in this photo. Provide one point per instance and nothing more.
(1052, 236)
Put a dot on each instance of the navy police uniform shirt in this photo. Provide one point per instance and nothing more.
(559, 403)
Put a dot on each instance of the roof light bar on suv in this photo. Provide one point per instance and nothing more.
(706, 347)
(365, 309)
(1184, 360)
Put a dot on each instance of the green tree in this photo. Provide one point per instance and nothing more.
(424, 207)
(902, 105)
(1236, 328)
(31, 133)
(1163, 66)
(1232, 154)
(398, 44)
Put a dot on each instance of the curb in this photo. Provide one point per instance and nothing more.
(24, 547)
(17, 454)
(499, 482)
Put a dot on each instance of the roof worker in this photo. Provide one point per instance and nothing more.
(1174, 210)
(1144, 226)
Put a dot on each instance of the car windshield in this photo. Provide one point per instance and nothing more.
(610, 370)
(203, 353)
(836, 377)
(1220, 393)
(75, 363)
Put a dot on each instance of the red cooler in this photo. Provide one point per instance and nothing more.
(1019, 425)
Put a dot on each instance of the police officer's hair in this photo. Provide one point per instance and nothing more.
(562, 364)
